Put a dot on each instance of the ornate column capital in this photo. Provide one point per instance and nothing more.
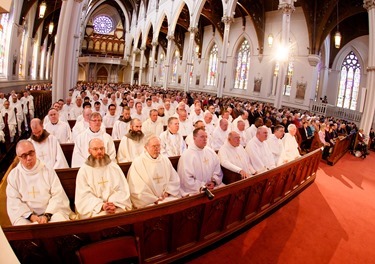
(193, 30)
(369, 4)
(154, 43)
(170, 37)
(227, 20)
(136, 51)
(287, 7)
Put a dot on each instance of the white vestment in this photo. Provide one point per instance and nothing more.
(219, 137)
(290, 147)
(75, 111)
(189, 140)
(109, 120)
(97, 185)
(243, 136)
(12, 121)
(186, 127)
(49, 151)
(129, 149)
(78, 128)
(141, 117)
(28, 108)
(260, 155)
(150, 178)
(251, 132)
(197, 167)
(152, 128)
(37, 190)
(81, 146)
(194, 117)
(235, 121)
(172, 144)
(2, 138)
(120, 129)
(235, 158)
(277, 148)
(209, 128)
(61, 130)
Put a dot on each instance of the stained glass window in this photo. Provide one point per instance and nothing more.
(161, 66)
(21, 65)
(288, 78)
(349, 82)
(176, 58)
(3, 33)
(243, 65)
(103, 24)
(212, 66)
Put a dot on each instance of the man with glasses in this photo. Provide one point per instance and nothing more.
(34, 192)
(101, 186)
(152, 178)
(81, 146)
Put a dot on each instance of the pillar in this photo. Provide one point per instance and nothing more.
(368, 113)
(135, 52)
(170, 39)
(287, 8)
(227, 20)
(141, 65)
(190, 51)
(152, 64)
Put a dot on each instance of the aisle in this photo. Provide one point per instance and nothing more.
(332, 221)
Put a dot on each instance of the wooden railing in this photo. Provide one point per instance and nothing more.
(342, 145)
(172, 230)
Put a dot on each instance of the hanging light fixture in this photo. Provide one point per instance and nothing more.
(337, 36)
(42, 9)
(270, 40)
(50, 28)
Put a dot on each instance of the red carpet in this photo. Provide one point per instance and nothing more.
(332, 221)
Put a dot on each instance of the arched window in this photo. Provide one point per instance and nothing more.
(103, 24)
(161, 66)
(4, 18)
(288, 78)
(349, 82)
(243, 65)
(212, 66)
(176, 58)
(22, 48)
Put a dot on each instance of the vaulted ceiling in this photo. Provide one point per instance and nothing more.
(321, 17)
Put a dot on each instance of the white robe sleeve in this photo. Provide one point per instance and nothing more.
(225, 160)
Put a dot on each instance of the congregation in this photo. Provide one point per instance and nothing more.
(152, 124)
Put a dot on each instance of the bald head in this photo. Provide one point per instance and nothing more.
(223, 124)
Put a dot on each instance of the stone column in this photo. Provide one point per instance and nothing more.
(135, 52)
(152, 64)
(141, 65)
(368, 113)
(167, 61)
(227, 20)
(190, 50)
(287, 7)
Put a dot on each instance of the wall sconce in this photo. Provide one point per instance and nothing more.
(50, 28)
(42, 9)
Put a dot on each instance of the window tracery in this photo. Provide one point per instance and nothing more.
(103, 24)
(243, 65)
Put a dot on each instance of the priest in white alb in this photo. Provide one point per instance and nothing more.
(199, 166)
(260, 155)
(60, 129)
(47, 146)
(101, 186)
(220, 134)
(153, 124)
(234, 157)
(81, 144)
(152, 178)
(122, 125)
(172, 142)
(34, 192)
(275, 144)
(291, 148)
(131, 145)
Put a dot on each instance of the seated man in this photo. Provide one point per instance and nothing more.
(110, 117)
(81, 146)
(172, 142)
(291, 148)
(34, 192)
(199, 166)
(47, 146)
(260, 155)
(153, 124)
(220, 134)
(234, 157)
(276, 146)
(60, 129)
(122, 125)
(101, 187)
(131, 145)
(152, 178)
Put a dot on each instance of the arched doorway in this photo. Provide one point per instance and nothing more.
(102, 75)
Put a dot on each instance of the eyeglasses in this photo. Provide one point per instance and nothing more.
(31, 153)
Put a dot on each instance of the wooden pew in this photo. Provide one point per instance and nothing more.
(316, 143)
(71, 123)
(342, 145)
(169, 231)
